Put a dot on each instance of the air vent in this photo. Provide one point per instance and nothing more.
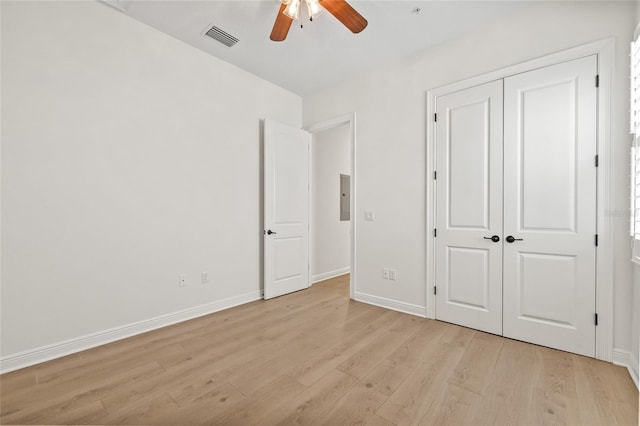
(221, 36)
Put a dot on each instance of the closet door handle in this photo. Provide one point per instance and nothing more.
(495, 238)
(511, 239)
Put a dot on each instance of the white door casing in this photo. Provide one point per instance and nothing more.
(550, 203)
(286, 209)
(468, 262)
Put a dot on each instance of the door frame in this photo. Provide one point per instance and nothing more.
(604, 49)
(350, 120)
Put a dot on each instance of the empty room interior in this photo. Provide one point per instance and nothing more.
(319, 212)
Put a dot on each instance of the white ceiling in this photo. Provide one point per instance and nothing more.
(324, 52)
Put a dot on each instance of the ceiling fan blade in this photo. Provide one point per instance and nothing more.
(346, 14)
(281, 26)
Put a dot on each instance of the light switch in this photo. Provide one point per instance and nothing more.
(369, 215)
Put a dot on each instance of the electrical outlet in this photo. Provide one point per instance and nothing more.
(385, 273)
(182, 280)
(392, 274)
(204, 277)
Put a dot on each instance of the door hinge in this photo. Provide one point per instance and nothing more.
(435, 117)
(435, 175)
(596, 240)
(597, 160)
(435, 290)
(596, 319)
(597, 80)
(435, 232)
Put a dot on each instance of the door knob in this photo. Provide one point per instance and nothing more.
(495, 238)
(269, 232)
(511, 239)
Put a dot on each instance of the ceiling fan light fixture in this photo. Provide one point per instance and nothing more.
(314, 8)
(340, 9)
(292, 9)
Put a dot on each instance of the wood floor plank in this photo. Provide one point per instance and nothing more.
(360, 403)
(411, 351)
(303, 408)
(314, 357)
(509, 392)
(82, 414)
(70, 396)
(419, 393)
(205, 392)
(189, 371)
(260, 404)
(478, 363)
(298, 343)
(362, 362)
(605, 393)
(555, 398)
(326, 360)
(17, 380)
(455, 407)
(155, 410)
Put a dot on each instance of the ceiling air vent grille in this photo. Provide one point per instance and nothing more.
(221, 36)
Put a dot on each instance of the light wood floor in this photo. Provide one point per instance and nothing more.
(314, 357)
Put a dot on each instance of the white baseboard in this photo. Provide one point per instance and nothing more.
(625, 359)
(330, 274)
(57, 350)
(394, 305)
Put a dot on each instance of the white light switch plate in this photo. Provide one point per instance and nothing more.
(369, 215)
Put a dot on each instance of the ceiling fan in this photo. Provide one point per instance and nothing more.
(290, 9)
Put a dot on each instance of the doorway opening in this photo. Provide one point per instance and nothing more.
(332, 204)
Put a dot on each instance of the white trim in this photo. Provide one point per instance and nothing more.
(394, 305)
(605, 49)
(349, 119)
(67, 347)
(625, 359)
(604, 260)
(430, 206)
(330, 274)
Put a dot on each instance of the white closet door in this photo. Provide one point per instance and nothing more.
(469, 207)
(550, 204)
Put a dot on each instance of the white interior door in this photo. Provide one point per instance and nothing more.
(537, 283)
(286, 209)
(469, 207)
(550, 204)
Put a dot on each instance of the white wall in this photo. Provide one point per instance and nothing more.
(128, 157)
(391, 152)
(330, 237)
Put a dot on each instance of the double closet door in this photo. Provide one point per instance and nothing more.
(516, 206)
